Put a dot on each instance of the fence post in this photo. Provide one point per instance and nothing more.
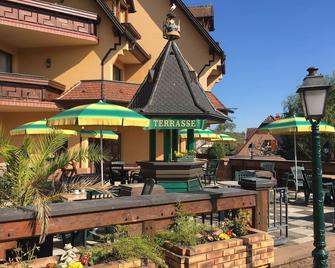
(262, 187)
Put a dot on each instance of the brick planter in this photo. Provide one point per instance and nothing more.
(37, 263)
(126, 264)
(253, 250)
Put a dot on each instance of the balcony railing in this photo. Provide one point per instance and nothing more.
(28, 87)
(53, 19)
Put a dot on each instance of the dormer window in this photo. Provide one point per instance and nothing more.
(6, 62)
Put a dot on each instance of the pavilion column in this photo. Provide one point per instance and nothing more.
(167, 145)
(190, 140)
(152, 145)
(174, 142)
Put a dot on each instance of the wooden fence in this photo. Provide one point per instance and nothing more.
(143, 214)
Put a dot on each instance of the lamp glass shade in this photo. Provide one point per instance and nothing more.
(314, 102)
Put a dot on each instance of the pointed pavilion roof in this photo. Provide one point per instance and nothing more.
(172, 90)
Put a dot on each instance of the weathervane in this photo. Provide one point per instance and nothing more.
(170, 29)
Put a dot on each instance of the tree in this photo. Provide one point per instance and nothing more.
(28, 167)
(293, 106)
(228, 126)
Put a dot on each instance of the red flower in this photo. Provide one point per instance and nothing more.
(229, 232)
(84, 259)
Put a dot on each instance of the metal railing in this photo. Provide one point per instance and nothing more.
(278, 214)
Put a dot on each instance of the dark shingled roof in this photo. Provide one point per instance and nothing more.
(171, 89)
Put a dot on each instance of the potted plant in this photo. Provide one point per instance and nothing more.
(187, 156)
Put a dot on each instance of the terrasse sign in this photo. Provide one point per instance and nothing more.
(176, 123)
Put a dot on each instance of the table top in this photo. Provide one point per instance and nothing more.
(128, 168)
(328, 176)
(229, 183)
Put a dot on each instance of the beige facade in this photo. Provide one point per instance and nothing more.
(67, 58)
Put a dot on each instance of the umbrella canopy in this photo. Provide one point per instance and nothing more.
(106, 134)
(223, 138)
(199, 134)
(100, 115)
(38, 128)
(294, 126)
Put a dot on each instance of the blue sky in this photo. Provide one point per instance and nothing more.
(269, 44)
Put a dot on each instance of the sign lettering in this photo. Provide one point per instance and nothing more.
(177, 123)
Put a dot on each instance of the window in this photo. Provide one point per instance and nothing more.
(5, 62)
(117, 73)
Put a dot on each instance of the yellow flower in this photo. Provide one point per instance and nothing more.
(224, 236)
(76, 264)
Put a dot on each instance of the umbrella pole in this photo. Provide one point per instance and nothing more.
(102, 160)
(295, 162)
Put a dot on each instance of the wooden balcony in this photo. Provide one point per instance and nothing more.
(34, 23)
(26, 92)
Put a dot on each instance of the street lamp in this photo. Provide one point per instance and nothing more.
(251, 149)
(313, 93)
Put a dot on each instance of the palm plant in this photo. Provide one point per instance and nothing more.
(28, 167)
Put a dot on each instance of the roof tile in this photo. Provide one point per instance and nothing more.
(114, 91)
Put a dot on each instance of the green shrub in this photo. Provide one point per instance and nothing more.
(184, 232)
(134, 247)
(120, 246)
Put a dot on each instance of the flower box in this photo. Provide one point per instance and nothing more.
(36, 263)
(185, 159)
(137, 263)
(253, 250)
(42, 263)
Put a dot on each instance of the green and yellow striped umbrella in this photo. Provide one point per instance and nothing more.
(38, 128)
(106, 134)
(294, 125)
(205, 134)
(100, 115)
(223, 138)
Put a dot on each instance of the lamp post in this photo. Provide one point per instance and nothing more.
(251, 149)
(313, 93)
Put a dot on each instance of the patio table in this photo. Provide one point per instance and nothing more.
(129, 169)
(328, 177)
(229, 183)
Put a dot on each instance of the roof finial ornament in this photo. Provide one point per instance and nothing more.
(171, 30)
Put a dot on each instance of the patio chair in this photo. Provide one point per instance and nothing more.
(136, 176)
(148, 186)
(268, 166)
(117, 172)
(244, 174)
(211, 171)
(297, 183)
(327, 188)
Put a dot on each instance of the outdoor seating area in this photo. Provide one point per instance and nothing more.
(117, 151)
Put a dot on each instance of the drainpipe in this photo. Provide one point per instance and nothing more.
(102, 96)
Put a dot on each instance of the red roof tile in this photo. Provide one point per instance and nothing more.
(115, 91)
(215, 101)
(91, 90)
